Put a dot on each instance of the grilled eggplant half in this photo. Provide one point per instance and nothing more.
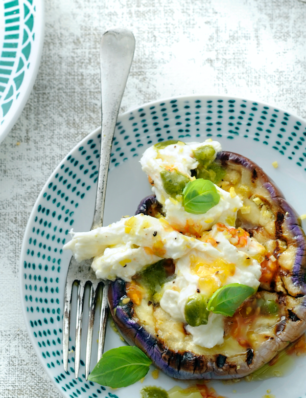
(264, 325)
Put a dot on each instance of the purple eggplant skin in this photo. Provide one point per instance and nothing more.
(146, 204)
(191, 366)
(149, 206)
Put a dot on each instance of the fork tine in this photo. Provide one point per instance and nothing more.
(78, 331)
(92, 307)
(103, 321)
(66, 326)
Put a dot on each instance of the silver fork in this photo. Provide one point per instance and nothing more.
(116, 56)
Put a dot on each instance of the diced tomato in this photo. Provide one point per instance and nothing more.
(268, 271)
(239, 237)
(242, 237)
(134, 292)
(208, 239)
(221, 227)
(242, 322)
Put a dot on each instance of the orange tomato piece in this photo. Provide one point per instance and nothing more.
(134, 292)
(239, 237)
(268, 271)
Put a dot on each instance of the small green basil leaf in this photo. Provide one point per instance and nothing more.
(227, 299)
(200, 196)
(120, 367)
(196, 313)
(174, 182)
(163, 144)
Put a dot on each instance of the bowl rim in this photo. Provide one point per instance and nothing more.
(27, 86)
(212, 96)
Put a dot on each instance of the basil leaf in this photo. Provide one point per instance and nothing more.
(120, 367)
(227, 299)
(199, 196)
(164, 144)
(196, 313)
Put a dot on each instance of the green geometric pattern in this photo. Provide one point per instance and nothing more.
(70, 192)
(15, 50)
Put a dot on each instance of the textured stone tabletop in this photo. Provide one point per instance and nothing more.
(250, 48)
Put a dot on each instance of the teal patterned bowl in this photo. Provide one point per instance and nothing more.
(21, 42)
(261, 132)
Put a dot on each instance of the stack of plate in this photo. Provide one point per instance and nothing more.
(21, 41)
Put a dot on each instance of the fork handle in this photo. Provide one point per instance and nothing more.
(116, 56)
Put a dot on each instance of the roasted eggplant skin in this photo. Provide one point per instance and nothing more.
(190, 366)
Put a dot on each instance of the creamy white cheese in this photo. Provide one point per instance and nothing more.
(208, 335)
(224, 212)
(180, 157)
(206, 271)
(122, 249)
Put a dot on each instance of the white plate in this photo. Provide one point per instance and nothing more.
(21, 42)
(258, 131)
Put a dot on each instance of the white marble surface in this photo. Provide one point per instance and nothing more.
(250, 48)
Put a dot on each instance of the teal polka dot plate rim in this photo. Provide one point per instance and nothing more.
(261, 132)
(21, 42)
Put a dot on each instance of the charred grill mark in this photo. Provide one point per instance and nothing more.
(282, 299)
(200, 364)
(177, 361)
(251, 233)
(188, 361)
(220, 361)
(254, 175)
(250, 356)
(277, 250)
(195, 364)
(279, 225)
(293, 316)
(224, 159)
(173, 359)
